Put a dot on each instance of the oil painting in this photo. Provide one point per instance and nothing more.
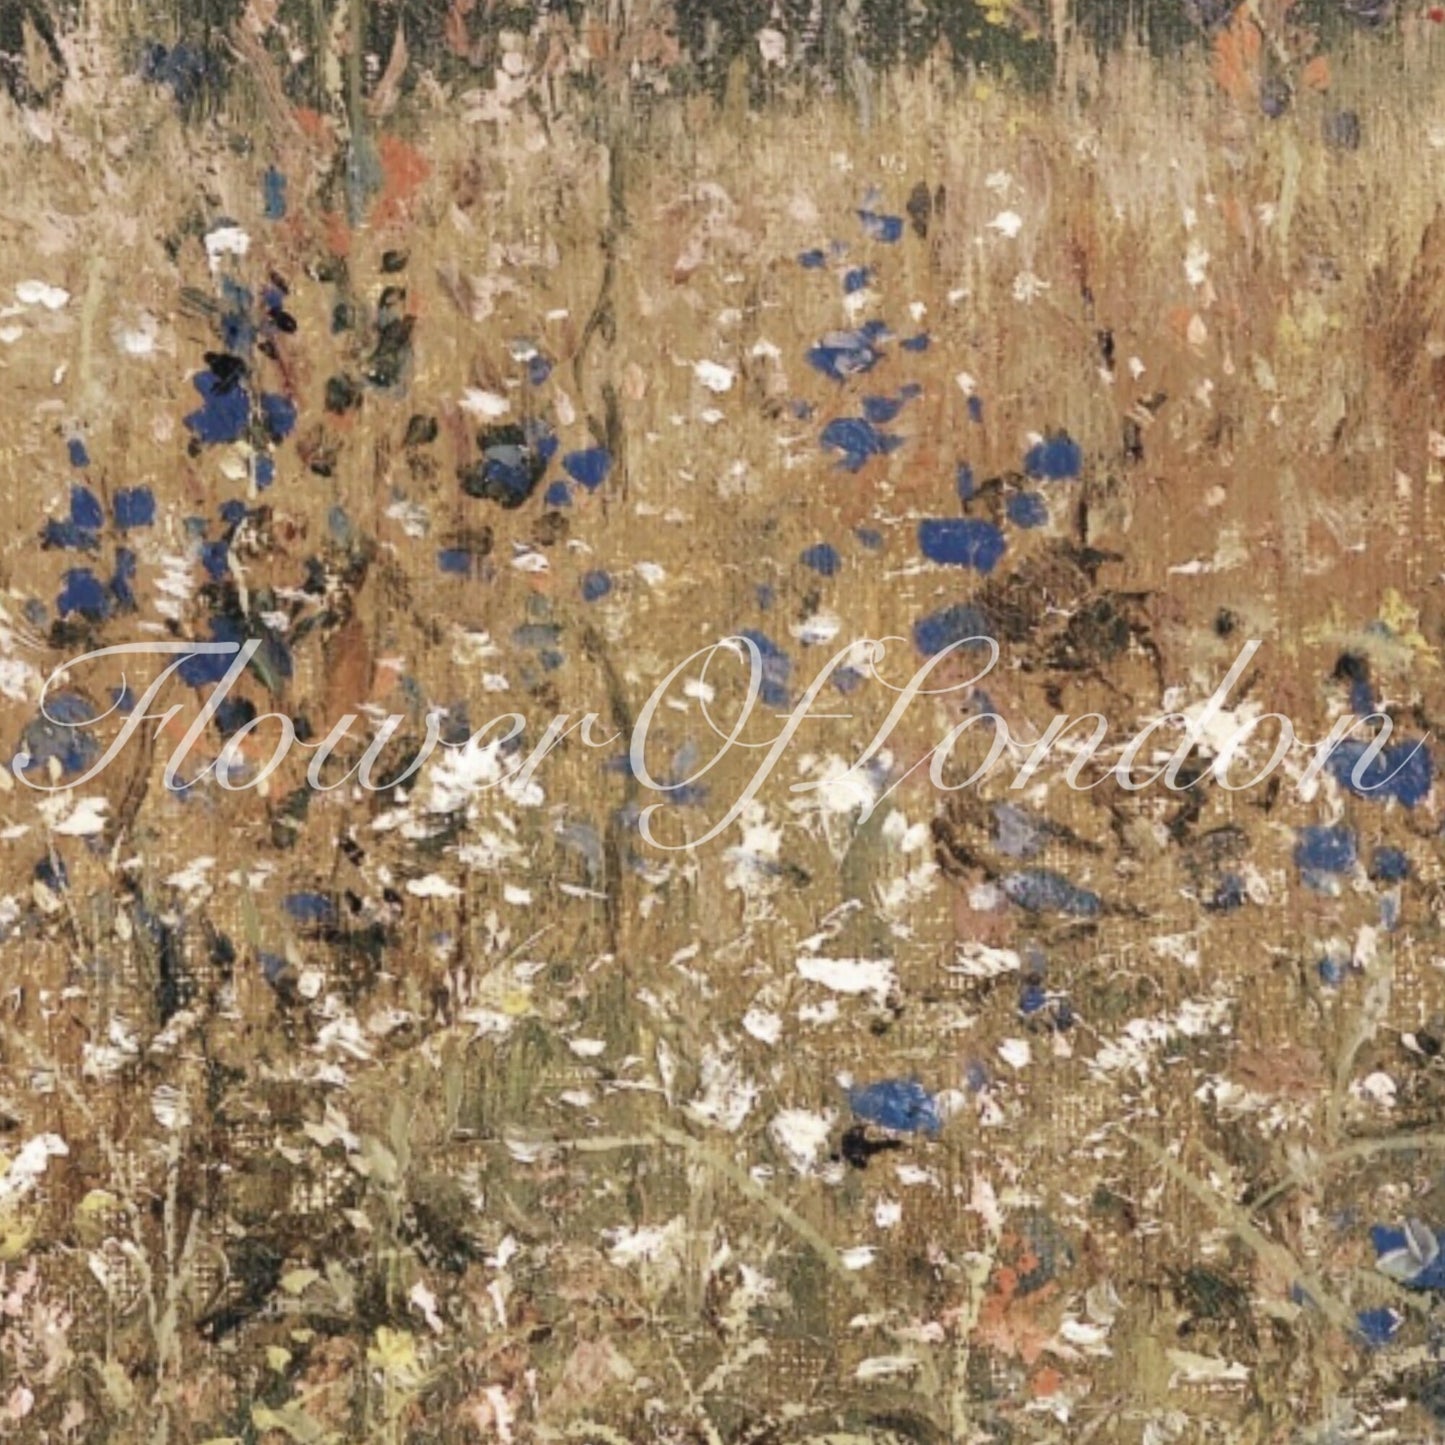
(719, 722)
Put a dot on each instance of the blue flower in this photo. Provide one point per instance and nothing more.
(1410, 1255)
(1378, 1327)
(1325, 850)
(278, 415)
(455, 561)
(59, 733)
(273, 188)
(858, 440)
(310, 909)
(1389, 865)
(903, 1105)
(887, 229)
(942, 629)
(962, 542)
(83, 593)
(1404, 771)
(777, 668)
(880, 410)
(224, 412)
(1040, 890)
(822, 558)
(841, 354)
(588, 468)
(82, 530)
(133, 507)
(1056, 459)
(1028, 509)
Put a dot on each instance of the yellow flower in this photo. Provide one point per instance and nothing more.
(394, 1353)
(1404, 621)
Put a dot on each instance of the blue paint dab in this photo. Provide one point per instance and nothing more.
(813, 260)
(1040, 890)
(902, 1105)
(1228, 895)
(85, 510)
(1404, 771)
(963, 481)
(942, 629)
(595, 586)
(881, 409)
(134, 507)
(887, 229)
(273, 965)
(59, 734)
(1017, 832)
(962, 542)
(842, 354)
(1028, 509)
(1378, 1327)
(273, 190)
(856, 280)
(278, 413)
(1325, 850)
(455, 561)
(205, 669)
(75, 448)
(822, 558)
(122, 577)
(224, 411)
(869, 537)
(1389, 865)
(559, 494)
(1057, 459)
(777, 668)
(85, 594)
(588, 468)
(921, 342)
(857, 440)
(86, 519)
(975, 410)
(311, 909)
(1411, 1255)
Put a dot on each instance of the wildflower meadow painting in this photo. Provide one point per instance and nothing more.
(718, 722)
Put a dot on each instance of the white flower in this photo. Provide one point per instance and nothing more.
(1027, 286)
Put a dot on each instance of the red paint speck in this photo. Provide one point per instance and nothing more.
(1436, 13)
